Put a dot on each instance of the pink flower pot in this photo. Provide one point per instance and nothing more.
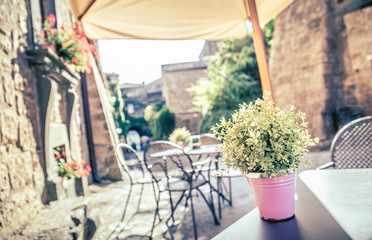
(182, 145)
(275, 198)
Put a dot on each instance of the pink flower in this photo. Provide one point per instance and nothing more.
(87, 70)
(58, 156)
(51, 18)
(74, 60)
(92, 48)
(64, 153)
(89, 168)
(83, 162)
(80, 172)
(42, 34)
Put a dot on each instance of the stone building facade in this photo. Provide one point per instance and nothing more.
(176, 79)
(321, 61)
(21, 174)
(40, 107)
(103, 130)
(138, 96)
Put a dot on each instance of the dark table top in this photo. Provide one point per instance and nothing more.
(347, 196)
(312, 221)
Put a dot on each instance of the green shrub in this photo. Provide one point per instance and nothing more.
(162, 124)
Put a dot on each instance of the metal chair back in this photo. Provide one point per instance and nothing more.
(167, 160)
(208, 139)
(352, 145)
(130, 161)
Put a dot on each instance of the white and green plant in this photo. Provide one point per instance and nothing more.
(180, 135)
(264, 139)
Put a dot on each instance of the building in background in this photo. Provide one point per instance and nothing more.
(138, 96)
(321, 61)
(176, 78)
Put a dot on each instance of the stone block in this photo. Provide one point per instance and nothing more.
(20, 105)
(16, 172)
(4, 183)
(98, 117)
(6, 64)
(8, 126)
(95, 106)
(99, 127)
(24, 133)
(9, 90)
(18, 82)
(26, 165)
(101, 139)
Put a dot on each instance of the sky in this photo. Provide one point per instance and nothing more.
(138, 61)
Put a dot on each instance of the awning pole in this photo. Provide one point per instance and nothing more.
(259, 45)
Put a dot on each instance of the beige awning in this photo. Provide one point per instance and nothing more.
(180, 19)
(170, 19)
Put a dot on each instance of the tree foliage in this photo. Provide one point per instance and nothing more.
(162, 124)
(118, 110)
(232, 78)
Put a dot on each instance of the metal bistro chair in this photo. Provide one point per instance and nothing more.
(211, 139)
(169, 164)
(352, 145)
(135, 170)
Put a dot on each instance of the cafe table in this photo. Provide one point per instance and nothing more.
(330, 204)
(202, 156)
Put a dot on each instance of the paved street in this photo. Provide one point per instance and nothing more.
(107, 201)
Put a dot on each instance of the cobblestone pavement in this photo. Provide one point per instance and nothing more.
(107, 202)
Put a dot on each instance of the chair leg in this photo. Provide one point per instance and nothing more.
(127, 202)
(187, 201)
(230, 192)
(193, 216)
(140, 198)
(224, 187)
(171, 203)
(156, 199)
(219, 196)
(211, 207)
(178, 202)
(156, 210)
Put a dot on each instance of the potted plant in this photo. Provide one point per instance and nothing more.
(181, 136)
(69, 168)
(266, 144)
(69, 42)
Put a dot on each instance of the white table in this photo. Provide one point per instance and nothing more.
(347, 195)
(209, 149)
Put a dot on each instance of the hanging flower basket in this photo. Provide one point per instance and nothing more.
(71, 44)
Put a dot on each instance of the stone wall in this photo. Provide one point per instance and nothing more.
(307, 61)
(103, 127)
(176, 79)
(190, 120)
(21, 175)
(358, 80)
